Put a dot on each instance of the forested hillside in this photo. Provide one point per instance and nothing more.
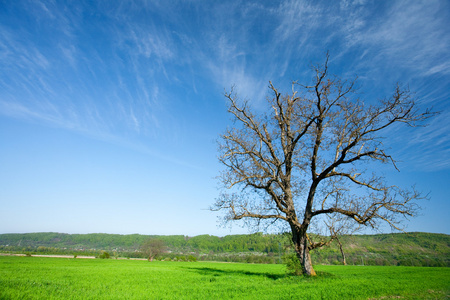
(416, 249)
(176, 243)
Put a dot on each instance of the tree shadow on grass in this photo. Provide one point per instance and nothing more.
(218, 272)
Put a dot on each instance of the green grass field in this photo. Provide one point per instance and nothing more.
(64, 278)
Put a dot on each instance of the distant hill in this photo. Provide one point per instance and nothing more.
(415, 249)
(407, 249)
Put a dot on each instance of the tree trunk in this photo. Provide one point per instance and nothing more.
(342, 251)
(301, 248)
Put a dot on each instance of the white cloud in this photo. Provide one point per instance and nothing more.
(440, 68)
(298, 21)
(126, 85)
(412, 35)
(151, 43)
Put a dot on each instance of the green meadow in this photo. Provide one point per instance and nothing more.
(69, 278)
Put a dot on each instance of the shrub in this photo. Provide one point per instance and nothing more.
(192, 258)
(104, 255)
(293, 265)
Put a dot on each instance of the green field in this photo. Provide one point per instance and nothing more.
(64, 278)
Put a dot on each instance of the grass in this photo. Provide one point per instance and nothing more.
(59, 278)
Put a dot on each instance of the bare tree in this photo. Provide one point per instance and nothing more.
(307, 158)
(152, 248)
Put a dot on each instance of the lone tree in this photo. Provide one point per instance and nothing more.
(153, 248)
(307, 158)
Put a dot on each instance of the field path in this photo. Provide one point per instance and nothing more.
(40, 255)
(64, 256)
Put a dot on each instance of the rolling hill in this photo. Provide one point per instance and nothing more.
(414, 249)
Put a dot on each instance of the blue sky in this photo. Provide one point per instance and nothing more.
(110, 110)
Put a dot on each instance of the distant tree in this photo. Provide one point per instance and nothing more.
(104, 255)
(306, 159)
(153, 248)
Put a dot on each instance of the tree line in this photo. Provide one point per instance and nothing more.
(411, 249)
(257, 242)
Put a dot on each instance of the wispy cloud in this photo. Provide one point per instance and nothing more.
(396, 41)
(431, 144)
(412, 35)
(122, 74)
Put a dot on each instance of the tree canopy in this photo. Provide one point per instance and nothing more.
(308, 156)
(153, 248)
